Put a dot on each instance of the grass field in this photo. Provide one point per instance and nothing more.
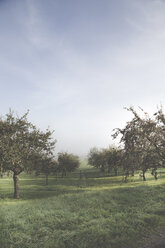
(84, 210)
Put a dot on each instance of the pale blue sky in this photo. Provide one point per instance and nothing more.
(76, 63)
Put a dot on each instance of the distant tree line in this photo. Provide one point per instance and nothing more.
(64, 164)
(108, 160)
(142, 146)
(23, 147)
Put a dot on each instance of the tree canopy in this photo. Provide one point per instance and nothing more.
(143, 140)
(20, 141)
(67, 162)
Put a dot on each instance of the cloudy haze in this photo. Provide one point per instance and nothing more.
(76, 63)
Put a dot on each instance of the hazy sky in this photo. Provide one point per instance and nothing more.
(76, 63)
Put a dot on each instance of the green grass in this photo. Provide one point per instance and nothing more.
(99, 212)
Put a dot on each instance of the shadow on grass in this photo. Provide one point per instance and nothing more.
(35, 188)
(121, 195)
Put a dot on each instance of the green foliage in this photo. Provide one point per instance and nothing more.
(94, 157)
(67, 162)
(42, 163)
(143, 141)
(20, 141)
(106, 159)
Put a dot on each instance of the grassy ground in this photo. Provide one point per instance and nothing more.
(84, 210)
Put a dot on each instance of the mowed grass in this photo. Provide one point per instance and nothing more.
(83, 210)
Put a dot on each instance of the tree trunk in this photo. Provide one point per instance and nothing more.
(37, 173)
(102, 168)
(63, 173)
(144, 178)
(16, 185)
(156, 175)
(116, 171)
(132, 173)
(126, 176)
